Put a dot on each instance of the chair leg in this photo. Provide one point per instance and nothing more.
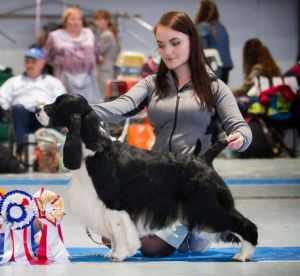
(294, 141)
(277, 136)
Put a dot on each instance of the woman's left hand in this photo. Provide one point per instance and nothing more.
(235, 140)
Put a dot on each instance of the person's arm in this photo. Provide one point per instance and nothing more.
(106, 41)
(49, 49)
(238, 131)
(6, 94)
(128, 104)
(96, 44)
(57, 87)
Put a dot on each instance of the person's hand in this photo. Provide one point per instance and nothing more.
(100, 59)
(235, 141)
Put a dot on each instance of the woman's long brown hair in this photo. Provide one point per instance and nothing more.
(181, 22)
(108, 17)
(256, 53)
(208, 12)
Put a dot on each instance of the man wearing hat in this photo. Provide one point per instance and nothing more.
(23, 93)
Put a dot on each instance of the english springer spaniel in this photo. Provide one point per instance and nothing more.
(123, 193)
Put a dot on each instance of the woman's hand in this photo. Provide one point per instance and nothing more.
(100, 59)
(235, 141)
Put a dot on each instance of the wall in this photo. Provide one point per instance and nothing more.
(274, 21)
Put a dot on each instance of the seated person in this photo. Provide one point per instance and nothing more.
(257, 61)
(23, 93)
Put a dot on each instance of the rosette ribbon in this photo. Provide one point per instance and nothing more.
(50, 208)
(17, 213)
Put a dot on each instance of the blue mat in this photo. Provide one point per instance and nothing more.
(94, 254)
(64, 181)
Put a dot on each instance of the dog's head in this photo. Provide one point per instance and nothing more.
(74, 113)
(59, 113)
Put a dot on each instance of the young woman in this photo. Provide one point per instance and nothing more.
(106, 33)
(183, 103)
(73, 53)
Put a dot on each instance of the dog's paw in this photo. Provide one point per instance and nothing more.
(239, 257)
(119, 256)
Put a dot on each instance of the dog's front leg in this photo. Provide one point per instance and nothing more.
(132, 235)
(120, 250)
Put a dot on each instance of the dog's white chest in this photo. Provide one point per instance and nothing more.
(85, 203)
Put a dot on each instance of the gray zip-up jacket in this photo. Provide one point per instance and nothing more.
(191, 124)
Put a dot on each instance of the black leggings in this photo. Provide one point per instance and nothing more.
(152, 246)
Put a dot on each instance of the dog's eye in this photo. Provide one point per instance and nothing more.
(48, 109)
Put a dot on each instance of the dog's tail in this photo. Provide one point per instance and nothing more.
(212, 152)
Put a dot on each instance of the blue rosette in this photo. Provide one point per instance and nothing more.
(17, 209)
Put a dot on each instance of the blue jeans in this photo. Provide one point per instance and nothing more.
(24, 123)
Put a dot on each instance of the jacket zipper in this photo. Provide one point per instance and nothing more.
(175, 119)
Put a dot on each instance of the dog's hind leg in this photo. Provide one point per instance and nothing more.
(246, 231)
(220, 220)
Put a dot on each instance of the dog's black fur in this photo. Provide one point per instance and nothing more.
(159, 187)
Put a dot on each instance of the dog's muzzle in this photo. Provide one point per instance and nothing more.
(42, 116)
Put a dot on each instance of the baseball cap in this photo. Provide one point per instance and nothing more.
(35, 53)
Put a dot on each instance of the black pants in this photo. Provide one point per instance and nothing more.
(24, 123)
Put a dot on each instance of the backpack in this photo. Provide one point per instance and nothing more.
(263, 144)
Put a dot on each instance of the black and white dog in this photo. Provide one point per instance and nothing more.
(123, 193)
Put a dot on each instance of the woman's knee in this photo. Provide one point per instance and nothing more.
(153, 246)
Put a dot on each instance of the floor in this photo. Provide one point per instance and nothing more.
(267, 191)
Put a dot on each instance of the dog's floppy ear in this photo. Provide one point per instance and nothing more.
(72, 151)
(82, 105)
(90, 133)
